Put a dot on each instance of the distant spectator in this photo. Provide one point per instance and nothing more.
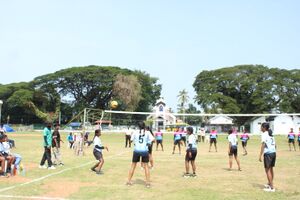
(47, 136)
(213, 139)
(56, 139)
(86, 139)
(291, 136)
(70, 139)
(128, 134)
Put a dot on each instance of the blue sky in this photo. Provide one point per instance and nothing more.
(173, 40)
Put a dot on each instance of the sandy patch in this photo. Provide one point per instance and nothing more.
(15, 179)
(64, 189)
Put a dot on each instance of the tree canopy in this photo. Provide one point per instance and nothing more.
(70, 90)
(248, 89)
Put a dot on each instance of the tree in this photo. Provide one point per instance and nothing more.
(183, 99)
(193, 120)
(24, 104)
(70, 90)
(127, 89)
(89, 86)
(93, 86)
(248, 89)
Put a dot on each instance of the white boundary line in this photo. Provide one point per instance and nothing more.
(28, 197)
(53, 174)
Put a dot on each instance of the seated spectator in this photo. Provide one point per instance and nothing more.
(17, 162)
(2, 163)
(5, 151)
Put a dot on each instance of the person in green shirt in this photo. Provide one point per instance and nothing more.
(47, 136)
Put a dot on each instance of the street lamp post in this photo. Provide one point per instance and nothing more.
(1, 103)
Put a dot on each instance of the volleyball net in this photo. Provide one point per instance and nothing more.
(112, 120)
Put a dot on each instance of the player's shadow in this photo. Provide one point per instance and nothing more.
(139, 182)
(256, 185)
(232, 170)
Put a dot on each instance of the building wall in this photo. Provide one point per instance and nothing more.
(255, 125)
(283, 124)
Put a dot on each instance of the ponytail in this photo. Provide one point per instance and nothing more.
(270, 133)
(266, 126)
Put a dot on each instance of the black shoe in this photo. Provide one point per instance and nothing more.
(92, 169)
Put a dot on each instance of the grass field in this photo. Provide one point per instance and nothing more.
(75, 181)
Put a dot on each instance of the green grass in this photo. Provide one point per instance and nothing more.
(213, 181)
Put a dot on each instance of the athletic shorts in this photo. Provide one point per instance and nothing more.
(177, 142)
(194, 154)
(269, 160)
(127, 137)
(213, 140)
(137, 156)
(97, 154)
(244, 143)
(233, 151)
(159, 141)
(292, 141)
(183, 138)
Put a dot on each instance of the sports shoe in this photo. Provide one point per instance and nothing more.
(61, 164)
(186, 175)
(269, 189)
(92, 169)
(41, 167)
(129, 183)
(194, 175)
(99, 172)
(266, 185)
(52, 167)
(148, 185)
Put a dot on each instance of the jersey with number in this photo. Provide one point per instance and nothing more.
(269, 141)
(141, 140)
(192, 141)
(291, 136)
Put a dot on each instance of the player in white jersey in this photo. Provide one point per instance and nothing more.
(233, 150)
(191, 153)
(268, 149)
(98, 147)
(142, 141)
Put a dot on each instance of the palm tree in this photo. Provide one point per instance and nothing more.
(183, 99)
